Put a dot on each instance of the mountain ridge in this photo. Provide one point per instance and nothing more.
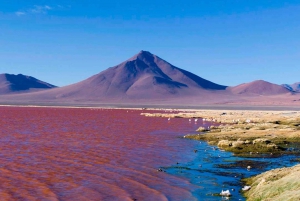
(259, 87)
(10, 83)
(293, 87)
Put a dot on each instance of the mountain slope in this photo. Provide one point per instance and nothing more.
(175, 73)
(10, 83)
(258, 87)
(293, 87)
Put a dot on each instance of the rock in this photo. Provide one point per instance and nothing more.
(246, 188)
(159, 170)
(248, 121)
(225, 193)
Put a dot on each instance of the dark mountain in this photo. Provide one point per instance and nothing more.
(258, 87)
(10, 83)
(293, 87)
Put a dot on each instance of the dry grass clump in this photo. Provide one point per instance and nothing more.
(275, 185)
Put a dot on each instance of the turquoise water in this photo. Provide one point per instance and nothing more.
(211, 170)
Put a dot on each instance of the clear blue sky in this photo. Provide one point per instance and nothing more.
(225, 41)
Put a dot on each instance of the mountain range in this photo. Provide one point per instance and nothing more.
(144, 78)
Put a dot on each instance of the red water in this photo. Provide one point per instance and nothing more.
(89, 154)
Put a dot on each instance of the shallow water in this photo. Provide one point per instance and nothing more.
(96, 154)
(213, 170)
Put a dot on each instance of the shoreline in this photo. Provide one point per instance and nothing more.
(163, 106)
(243, 132)
(252, 134)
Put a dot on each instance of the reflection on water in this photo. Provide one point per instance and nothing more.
(96, 154)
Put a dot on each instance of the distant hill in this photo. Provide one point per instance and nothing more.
(10, 83)
(258, 87)
(293, 87)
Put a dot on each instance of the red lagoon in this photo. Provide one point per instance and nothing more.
(90, 154)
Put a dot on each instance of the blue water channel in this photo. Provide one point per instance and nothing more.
(211, 170)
